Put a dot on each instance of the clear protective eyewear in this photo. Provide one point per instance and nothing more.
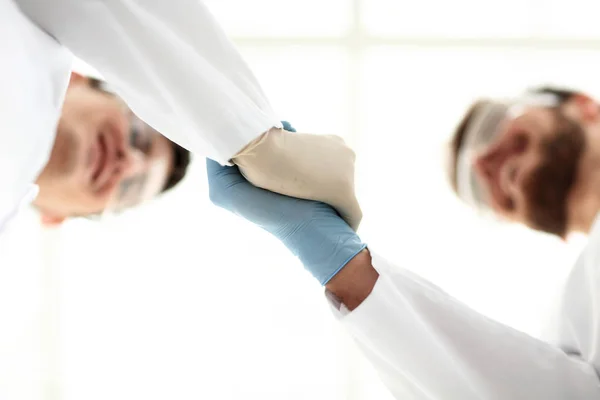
(145, 175)
(483, 129)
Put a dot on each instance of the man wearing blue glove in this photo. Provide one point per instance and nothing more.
(176, 69)
(313, 231)
(423, 343)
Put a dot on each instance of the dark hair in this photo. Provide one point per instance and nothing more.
(181, 161)
(181, 156)
(563, 96)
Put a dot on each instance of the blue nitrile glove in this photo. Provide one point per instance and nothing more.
(313, 231)
(287, 126)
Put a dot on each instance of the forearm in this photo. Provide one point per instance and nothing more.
(171, 62)
(425, 344)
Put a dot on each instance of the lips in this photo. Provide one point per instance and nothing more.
(508, 175)
(103, 161)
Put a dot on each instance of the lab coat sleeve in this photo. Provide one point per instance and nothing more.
(34, 72)
(171, 62)
(576, 323)
(422, 341)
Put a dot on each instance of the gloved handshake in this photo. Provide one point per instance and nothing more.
(312, 167)
(311, 230)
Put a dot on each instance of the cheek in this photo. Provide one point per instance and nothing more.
(162, 152)
(161, 147)
(89, 201)
(69, 197)
(507, 214)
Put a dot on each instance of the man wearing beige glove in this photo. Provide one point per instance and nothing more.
(533, 160)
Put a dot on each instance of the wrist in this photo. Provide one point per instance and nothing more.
(355, 281)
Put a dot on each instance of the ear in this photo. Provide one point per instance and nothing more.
(51, 220)
(77, 79)
(589, 109)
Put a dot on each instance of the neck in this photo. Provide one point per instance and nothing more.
(585, 195)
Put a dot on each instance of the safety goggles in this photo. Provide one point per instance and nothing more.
(145, 175)
(485, 126)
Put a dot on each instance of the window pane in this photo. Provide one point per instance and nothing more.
(308, 86)
(282, 18)
(571, 19)
(458, 18)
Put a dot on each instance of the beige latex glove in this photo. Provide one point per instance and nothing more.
(313, 167)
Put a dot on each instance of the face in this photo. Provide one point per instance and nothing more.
(103, 157)
(530, 169)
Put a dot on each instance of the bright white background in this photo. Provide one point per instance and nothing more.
(179, 300)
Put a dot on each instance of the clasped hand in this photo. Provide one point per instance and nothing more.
(312, 231)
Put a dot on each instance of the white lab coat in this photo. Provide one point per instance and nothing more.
(177, 71)
(169, 60)
(426, 345)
